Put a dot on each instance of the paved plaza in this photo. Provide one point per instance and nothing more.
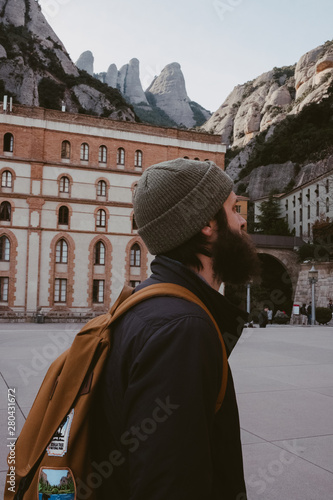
(284, 383)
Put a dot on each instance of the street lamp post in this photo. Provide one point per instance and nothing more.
(248, 298)
(313, 278)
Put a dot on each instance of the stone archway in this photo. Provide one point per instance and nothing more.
(276, 287)
(289, 260)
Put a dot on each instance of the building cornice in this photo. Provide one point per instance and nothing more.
(161, 137)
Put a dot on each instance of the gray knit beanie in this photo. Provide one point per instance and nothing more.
(175, 199)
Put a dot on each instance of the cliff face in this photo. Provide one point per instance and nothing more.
(36, 70)
(262, 103)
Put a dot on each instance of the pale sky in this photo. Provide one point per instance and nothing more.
(218, 43)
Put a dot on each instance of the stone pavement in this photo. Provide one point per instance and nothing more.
(284, 383)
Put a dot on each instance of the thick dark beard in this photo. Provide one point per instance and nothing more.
(235, 258)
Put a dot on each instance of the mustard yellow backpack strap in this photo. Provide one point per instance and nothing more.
(124, 294)
(170, 289)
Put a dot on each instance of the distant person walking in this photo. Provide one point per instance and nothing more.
(304, 315)
(309, 313)
(330, 306)
(263, 317)
(270, 316)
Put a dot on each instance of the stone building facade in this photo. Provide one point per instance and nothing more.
(304, 205)
(68, 240)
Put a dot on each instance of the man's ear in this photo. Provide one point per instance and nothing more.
(208, 229)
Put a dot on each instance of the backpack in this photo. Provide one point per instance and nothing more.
(53, 452)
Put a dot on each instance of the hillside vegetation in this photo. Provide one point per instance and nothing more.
(306, 137)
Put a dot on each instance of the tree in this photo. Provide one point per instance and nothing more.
(269, 221)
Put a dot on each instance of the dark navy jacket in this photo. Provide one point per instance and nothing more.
(163, 439)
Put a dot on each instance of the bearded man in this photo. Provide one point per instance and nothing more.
(164, 372)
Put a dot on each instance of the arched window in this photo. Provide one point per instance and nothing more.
(121, 156)
(197, 159)
(63, 215)
(317, 209)
(102, 154)
(8, 142)
(62, 252)
(4, 248)
(65, 150)
(138, 159)
(327, 205)
(327, 186)
(60, 290)
(4, 288)
(101, 188)
(5, 211)
(186, 158)
(101, 218)
(6, 179)
(98, 291)
(135, 256)
(84, 152)
(64, 184)
(99, 254)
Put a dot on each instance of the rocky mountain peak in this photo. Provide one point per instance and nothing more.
(260, 104)
(129, 83)
(28, 13)
(168, 92)
(86, 62)
(165, 102)
(36, 70)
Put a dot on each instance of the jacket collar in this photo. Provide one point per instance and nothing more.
(229, 318)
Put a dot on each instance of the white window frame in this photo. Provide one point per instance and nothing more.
(4, 288)
(6, 179)
(62, 252)
(102, 154)
(60, 290)
(5, 242)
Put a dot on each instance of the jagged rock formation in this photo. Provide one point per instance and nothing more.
(129, 83)
(165, 102)
(252, 107)
(257, 105)
(86, 62)
(168, 92)
(36, 70)
(262, 180)
(111, 76)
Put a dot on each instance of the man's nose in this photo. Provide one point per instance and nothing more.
(243, 223)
